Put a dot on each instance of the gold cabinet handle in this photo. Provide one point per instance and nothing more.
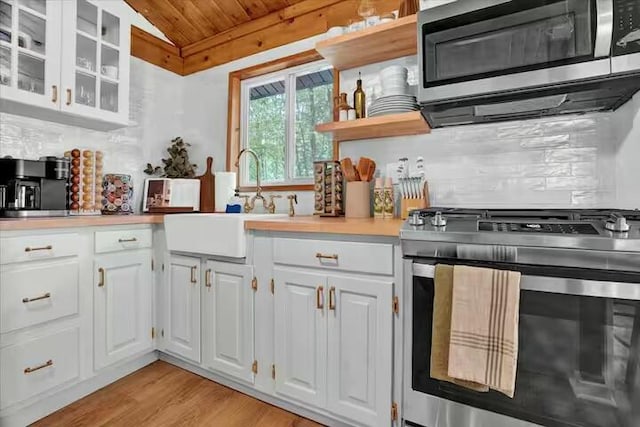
(44, 296)
(68, 96)
(101, 281)
(54, 94)
(41, 248)
(323, 256)
(320, 297)
(207, 278)
(37, 368)
(133, 239)
(332, 298)
(193, 274)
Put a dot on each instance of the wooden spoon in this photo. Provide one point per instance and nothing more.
(347, 169)
(372, 170)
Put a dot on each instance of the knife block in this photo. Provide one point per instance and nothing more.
(408, 205)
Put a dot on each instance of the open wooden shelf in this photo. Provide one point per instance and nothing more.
(401, 124)
(374, 44)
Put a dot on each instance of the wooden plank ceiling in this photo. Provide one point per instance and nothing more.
(188, 21)
(207, 33)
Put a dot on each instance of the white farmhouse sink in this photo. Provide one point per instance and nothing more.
(210, 234)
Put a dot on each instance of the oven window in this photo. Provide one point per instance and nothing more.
(503, 40)
(578, 360)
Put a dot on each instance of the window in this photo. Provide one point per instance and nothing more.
(277, 115)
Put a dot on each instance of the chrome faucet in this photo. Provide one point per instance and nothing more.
(250, 202)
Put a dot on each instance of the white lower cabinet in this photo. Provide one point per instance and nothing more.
(333, 343)
(182, 307)
(360, 349)
(300, 336)
(122, 306)
(38, 365)
(228, 320)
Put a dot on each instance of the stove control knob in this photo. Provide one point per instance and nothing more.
(617, 223)
(416, 219)
(438, 220)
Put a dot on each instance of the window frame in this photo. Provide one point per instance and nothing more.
(236, 126)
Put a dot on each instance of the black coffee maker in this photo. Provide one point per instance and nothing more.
(34, 187)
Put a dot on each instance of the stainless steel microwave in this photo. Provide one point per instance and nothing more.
(489, 60)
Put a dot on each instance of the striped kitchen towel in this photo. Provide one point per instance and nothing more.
(441, 329)
(484, 327)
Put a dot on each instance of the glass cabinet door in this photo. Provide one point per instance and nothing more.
(96, 70)
(30, 41)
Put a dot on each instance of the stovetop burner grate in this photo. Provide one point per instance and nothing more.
(546, 228)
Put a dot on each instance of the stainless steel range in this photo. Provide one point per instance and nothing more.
(579, 330)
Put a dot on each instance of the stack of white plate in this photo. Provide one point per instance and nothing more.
(393, 80)
(396, 96)
(393, 104)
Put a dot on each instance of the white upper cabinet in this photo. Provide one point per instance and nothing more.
(95, 65)
(31, 51)
(227, 319)
(65, 61)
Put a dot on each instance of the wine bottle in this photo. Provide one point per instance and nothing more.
(359, 99)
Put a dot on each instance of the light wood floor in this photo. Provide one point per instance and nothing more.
(165, 395)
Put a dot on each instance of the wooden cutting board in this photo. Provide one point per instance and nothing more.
(207, 189)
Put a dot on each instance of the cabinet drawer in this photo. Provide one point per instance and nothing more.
(371, 258)
(112, 241)
(35, 293)
(38, 365)
(38, 247)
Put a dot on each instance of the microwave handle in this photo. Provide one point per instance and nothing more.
(604, 28)
(560, 285)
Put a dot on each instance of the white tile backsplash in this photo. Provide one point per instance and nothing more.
(580, 160)
(156, 118)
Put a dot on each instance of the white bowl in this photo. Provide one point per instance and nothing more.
(394, 70)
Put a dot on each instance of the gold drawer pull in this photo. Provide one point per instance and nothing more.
(207, 278)
(194, 270)
(37, 368)
(101, 281)
(42, 248)
(323, 256)
(133, 239)
(45, 296)
(320, 297)
(332, 298)
(54, 94)
(68, 96)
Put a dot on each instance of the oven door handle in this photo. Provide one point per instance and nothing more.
(560, 285)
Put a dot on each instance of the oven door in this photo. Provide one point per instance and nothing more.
(466, 49)
(578, 355)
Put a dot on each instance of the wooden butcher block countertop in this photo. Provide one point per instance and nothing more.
(315, 224)
(11, 224)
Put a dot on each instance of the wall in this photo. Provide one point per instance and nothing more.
(563, 161)
(573, 161)
(155, 114)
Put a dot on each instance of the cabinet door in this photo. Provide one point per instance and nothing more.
(182, 307)
(30, 51)
(122, 306)
(227, 319)
(300, 336)
(95, 62)
(360, 349)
